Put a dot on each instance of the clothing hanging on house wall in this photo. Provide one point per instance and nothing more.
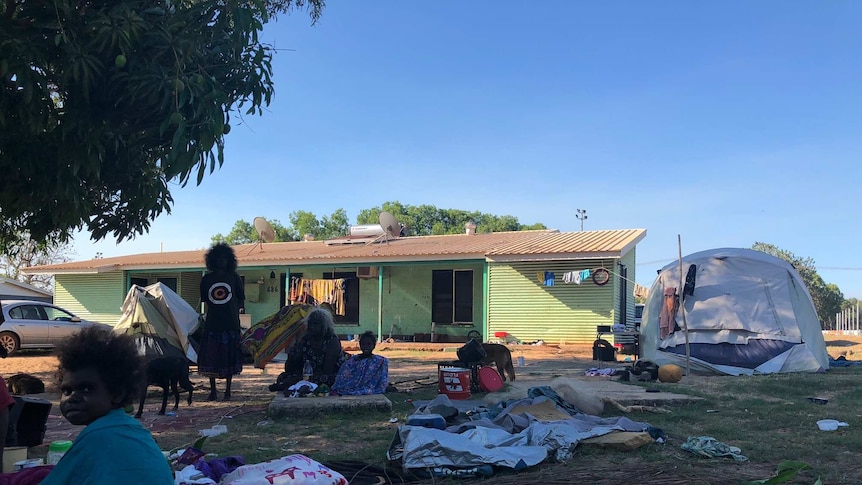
(549, 278)
(321, 291)
(570, 277)
(293, 294)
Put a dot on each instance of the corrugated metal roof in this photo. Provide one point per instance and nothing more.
(498, 246)
(578, 245)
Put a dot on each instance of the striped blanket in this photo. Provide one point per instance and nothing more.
(266, 338)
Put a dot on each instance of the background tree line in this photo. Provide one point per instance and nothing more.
(421, 220)
(827, 297)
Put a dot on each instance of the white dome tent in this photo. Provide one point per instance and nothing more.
(748, 313)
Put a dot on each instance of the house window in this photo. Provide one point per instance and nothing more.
(138, 281)
(169, 282)
(452, 296)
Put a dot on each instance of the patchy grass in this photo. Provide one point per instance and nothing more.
(768, 417)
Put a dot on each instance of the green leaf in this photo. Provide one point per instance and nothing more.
(796, 466)
(785, 472)
(199, 443)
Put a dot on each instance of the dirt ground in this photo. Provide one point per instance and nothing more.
(410, 365)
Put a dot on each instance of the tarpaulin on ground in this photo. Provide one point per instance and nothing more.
(266, 338)
(510, 437)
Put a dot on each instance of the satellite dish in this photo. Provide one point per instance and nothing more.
(265, 233)
(390, 225)
(391, 228)
(264, 229)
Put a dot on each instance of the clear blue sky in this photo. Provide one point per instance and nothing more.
(725, 122)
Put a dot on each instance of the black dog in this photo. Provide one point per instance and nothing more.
(645, 370)
(22, 384)
(167, 372)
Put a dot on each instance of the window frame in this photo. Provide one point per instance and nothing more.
(454, 316)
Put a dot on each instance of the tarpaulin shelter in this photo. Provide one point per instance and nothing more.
(157, 316)
(266, 338)
(746, 312)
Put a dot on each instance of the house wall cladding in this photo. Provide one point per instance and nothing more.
(190, 288)
(569, 313)
(97, 297)
(407, 300)
(188, 283)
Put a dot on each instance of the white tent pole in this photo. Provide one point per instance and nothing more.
(682, 307)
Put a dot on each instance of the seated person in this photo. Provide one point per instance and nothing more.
(365, 373)
(320, 347)
(6, 403)
(100, 373)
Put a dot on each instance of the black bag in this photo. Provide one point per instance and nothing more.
(28, 421)
(472, 351)
(603, 351)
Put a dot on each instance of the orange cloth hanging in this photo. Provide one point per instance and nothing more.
(668, 312)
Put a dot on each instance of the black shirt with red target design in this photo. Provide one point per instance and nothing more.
(224, 295)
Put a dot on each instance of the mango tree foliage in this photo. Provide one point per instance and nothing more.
(827, 297)
(105, 105)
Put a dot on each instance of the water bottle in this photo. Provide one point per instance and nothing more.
(56, 450)
(307, 370)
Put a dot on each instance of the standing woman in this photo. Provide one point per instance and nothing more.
(222, 291)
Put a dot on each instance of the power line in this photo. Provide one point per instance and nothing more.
(656, 261)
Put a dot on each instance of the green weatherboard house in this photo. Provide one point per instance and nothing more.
(532, 285)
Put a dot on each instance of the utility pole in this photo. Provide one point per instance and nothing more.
(582, 216)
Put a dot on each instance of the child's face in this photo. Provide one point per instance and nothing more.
(84, 397)
(367, 344)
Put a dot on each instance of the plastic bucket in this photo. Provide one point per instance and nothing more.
(490, 380)
(472, 351)
(455, 382)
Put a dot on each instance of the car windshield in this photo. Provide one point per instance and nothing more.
(639, 311)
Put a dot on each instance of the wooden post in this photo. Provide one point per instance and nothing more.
(682, 308)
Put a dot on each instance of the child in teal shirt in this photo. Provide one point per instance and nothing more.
(100, 374)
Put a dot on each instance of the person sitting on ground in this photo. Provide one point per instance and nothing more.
(6, 403)
(100, 373)
(320, 348)
(365, 373)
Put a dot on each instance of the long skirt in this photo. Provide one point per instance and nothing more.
(219, 354)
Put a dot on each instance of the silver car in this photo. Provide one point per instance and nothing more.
(36, 325)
